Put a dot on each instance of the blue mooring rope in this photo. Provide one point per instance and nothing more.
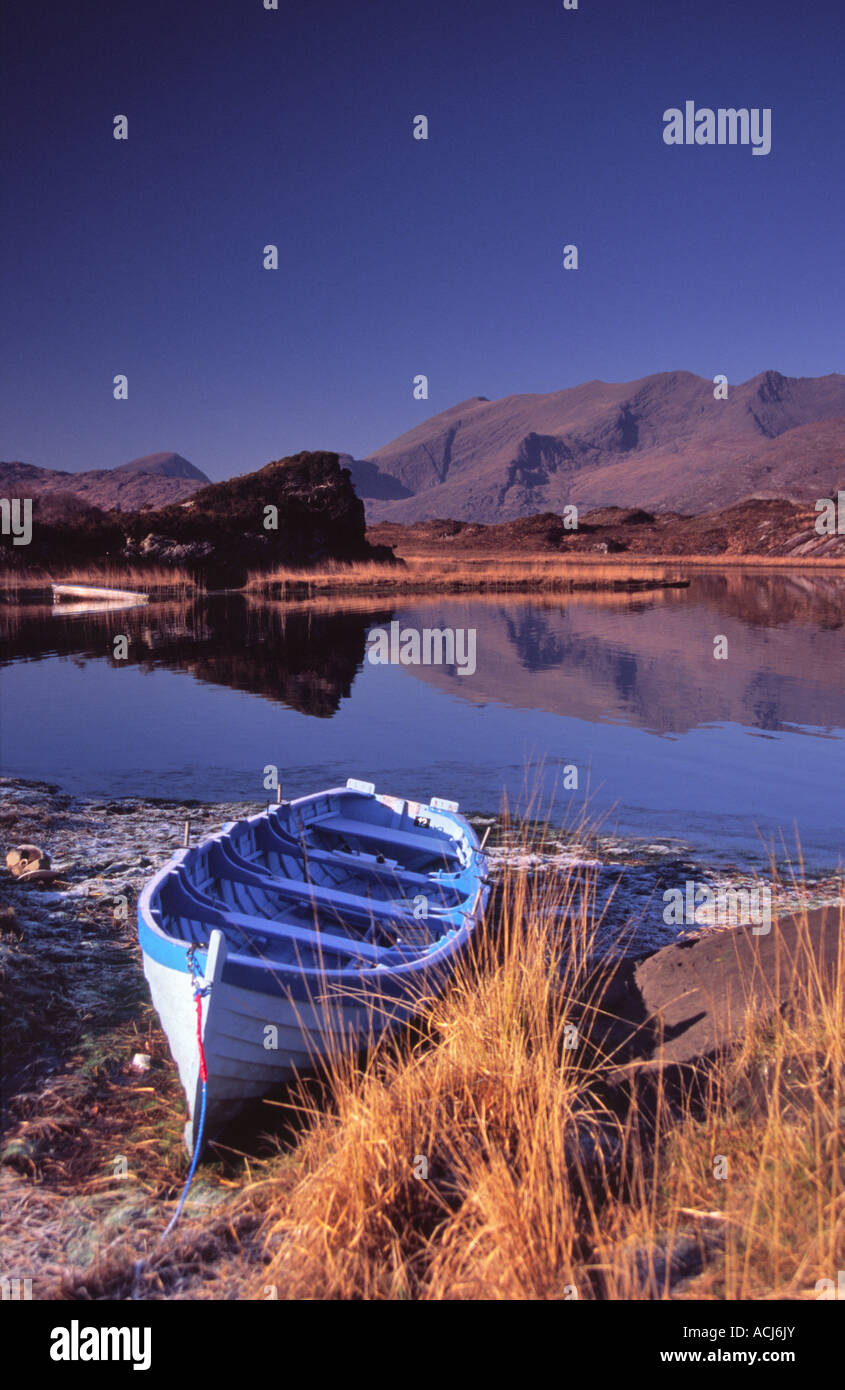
(197, 1148)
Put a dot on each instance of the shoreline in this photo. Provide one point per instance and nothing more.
(465, 571)
(72, 969)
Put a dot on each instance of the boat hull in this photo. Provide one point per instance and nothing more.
(267, 1022)
(254, 1041)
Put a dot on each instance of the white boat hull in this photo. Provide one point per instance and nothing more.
(298, 931)
(252, 1041)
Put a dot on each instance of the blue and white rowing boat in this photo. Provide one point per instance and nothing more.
(305, 930)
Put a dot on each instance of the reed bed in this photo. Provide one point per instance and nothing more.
(418, 576)
(552, 599)
(417, 573)
(512, 574)
(638, 564)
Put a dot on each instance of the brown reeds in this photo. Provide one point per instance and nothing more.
(424, 573)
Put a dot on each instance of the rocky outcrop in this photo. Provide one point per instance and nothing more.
(296, 511)
(65, 532)
(689, 1001)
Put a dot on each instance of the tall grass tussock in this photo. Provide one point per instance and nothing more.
(504, 1150)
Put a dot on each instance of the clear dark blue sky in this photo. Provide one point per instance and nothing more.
(397, 256)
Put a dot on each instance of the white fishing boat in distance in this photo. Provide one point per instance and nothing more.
(96, 592)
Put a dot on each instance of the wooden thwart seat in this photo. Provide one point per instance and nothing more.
(363, 910)
(191, 901)
(430, 844)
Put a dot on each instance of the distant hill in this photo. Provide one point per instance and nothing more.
(662, 442)
(163, 466)
(156, 480)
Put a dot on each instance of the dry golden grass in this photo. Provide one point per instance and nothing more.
(510, 573)
(774, 1110)
(465, 574)
(536, 1187)
(640, 564)
(358, 601)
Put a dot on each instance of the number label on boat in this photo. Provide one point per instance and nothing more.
(368, 788)
(437, 803)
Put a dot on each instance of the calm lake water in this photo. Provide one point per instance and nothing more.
(723, 757)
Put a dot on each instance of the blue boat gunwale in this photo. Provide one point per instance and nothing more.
(271, 977)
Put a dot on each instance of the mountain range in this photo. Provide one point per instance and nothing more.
(664, 442)
(152, 481)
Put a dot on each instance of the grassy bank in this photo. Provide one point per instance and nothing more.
(419, 574)
(508, 1145)
(428, 572)
(507, 574)
(544, 1179)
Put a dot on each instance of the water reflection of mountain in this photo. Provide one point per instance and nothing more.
(649, 661)
(645, 660)
(304, 659)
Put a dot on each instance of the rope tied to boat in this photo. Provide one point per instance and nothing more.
(199, 991)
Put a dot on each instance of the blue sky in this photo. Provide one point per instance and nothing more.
(397, 256)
